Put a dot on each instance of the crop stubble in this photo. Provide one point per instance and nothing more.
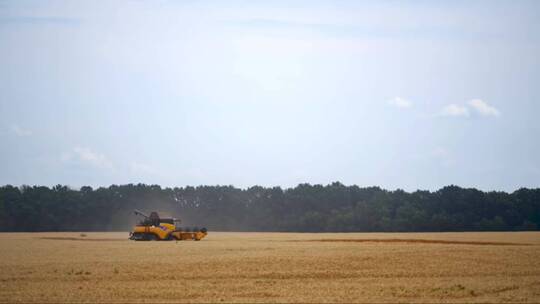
(272, 267)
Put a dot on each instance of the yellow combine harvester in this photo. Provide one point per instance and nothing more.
(154, 228)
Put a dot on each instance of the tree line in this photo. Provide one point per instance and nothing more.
(304, 208)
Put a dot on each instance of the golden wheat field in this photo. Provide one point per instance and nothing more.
(272, 267)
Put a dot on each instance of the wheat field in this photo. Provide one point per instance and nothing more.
(272, 267)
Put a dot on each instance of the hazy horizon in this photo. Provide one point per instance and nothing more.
(396, 94)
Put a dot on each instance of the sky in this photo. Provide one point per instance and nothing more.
(396, 94)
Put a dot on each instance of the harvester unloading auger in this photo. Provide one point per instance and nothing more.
(154, 228)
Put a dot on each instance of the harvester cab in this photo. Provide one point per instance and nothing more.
(153, 228)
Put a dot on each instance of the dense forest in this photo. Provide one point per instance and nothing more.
(305, 208)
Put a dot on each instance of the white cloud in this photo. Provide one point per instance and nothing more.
(85, 155)
(19, 131)
(483, 108)
(476, 106)
(455, 110)
(400, 102)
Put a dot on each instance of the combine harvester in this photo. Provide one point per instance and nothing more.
(154, 228)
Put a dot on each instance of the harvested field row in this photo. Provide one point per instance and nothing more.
(416, 241)
(81, 239)
(424, 241)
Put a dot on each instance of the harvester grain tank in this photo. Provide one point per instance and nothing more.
(154, 228)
